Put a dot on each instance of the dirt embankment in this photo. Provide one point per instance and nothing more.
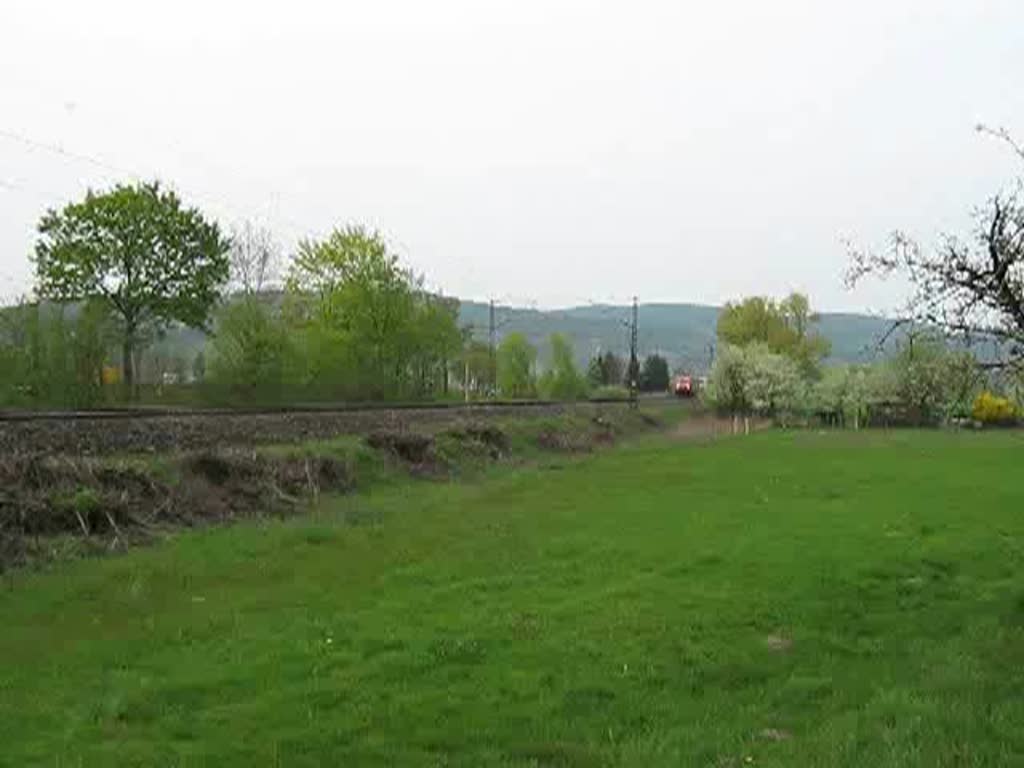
(192, 432)
(48, 503)
(55, 505)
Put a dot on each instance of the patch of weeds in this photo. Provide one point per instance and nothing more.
(557, 754)
(457, 650)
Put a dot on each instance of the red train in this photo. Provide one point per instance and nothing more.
(684, 386)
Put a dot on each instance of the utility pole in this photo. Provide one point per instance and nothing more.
(634, 362)
(491, 334)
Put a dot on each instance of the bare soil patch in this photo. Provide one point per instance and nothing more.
(197, 431)
(112, 506)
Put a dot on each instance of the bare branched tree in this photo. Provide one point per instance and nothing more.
(971, 289)
(255, 258)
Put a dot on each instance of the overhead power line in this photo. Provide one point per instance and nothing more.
(134, 174)
(57, 149)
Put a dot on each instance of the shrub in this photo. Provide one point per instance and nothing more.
(610, 393)
(992, 409)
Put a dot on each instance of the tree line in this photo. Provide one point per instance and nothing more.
(770, 364)
(344, 321)
(117, 269)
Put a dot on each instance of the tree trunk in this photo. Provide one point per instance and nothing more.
(128, 362)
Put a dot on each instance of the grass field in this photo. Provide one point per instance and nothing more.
(785, 599)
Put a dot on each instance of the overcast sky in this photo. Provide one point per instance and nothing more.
(551, 151)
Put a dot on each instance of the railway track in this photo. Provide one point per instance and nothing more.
(156, 412)
(160, 430)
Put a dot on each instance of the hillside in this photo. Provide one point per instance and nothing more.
(683, 333)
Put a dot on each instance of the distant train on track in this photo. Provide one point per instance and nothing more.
(688, 386)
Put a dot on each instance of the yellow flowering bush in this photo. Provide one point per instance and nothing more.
(992, 409)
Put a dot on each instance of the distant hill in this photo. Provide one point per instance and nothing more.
(683, 333)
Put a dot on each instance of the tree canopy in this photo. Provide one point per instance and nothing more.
(654, 376)
(606, 370)
(785, 327)
(516, 358)
(562, 381)
(137, 248)
(370, 328)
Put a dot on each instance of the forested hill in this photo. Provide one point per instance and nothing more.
(680, 332)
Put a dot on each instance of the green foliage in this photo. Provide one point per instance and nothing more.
(516, 358)
(654, 376)
(562, 381)
(992, 409)
(844, 391)
(252, 356)
(916, 378)
(364, 325)
(784, 327)
(855, 594)
(964, 381)
(728, 388)
(473, 368)
(753, 379)
(52, 356)
(606, 370)
(136, 248)
(436, 341)
(613, 392)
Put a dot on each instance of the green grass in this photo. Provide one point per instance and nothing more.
(616, 610)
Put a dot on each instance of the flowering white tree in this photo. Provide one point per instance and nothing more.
(753, 380)
(846, 390)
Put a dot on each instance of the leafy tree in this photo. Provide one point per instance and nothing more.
(51, 355)
(784, 327)
(251, 354)
(775, 384)
(361, 298)
(845, 390)
(915, 378)
(516, 358)
(753, 379)
(964, 382)
(729, 384)
(654, 377)
(370, 329)
(474, 367)
(606, 370)
(138, 249)
(436, 341)
(562, 381)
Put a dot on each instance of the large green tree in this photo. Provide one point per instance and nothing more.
(516, 357)
(562, 381)
(137, 248)
(654, 377)
(606, 370)
(785, 327)
(252, 355)
(371, 328)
